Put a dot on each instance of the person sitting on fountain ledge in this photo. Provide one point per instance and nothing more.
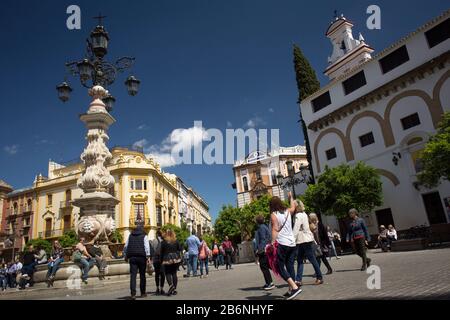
(85, 260)
(99, 260)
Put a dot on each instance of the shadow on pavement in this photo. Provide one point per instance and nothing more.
(348, 270)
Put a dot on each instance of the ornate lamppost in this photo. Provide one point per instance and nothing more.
(293, 180)
(97, 205)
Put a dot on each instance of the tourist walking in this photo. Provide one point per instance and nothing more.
(84, 259)
(333, 246)
(155, 255)
(203, 256)
(99, 260)
(284, 242)
(137, 254)
(304, 239)
(262, 239)
(359, 236)
(321, 239)
(221, 256)
(171, 251)
(215, 254)
(227, 246)
(193, 243)
(56, 258)
(3, 276)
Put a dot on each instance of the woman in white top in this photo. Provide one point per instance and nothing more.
(391, 235)
(304, 239)
(281, 222)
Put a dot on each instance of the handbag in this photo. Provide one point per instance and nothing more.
(150, 268)
(76, 256)
(317, 250)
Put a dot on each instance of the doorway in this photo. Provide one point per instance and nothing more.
(434, 209)
(384, 217)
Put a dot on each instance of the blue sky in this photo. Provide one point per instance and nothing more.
(215, 61)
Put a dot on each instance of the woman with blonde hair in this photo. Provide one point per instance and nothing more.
(321, 239)
(171, 258)
(304, 239)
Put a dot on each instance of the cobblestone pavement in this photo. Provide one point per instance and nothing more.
(404, 275)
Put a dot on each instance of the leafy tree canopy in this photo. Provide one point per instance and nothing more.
(307, 82)
(436, 156)
(39, 243)
(68, 239)
(344, 187)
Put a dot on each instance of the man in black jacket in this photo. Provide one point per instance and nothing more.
(137, 253)
(29, 262)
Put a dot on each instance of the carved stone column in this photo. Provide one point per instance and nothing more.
(97, 205)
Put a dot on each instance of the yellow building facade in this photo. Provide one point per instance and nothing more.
(146, 194)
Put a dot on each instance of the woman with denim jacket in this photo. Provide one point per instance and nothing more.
(359, 236)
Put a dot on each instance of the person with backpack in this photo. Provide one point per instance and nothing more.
(137, 253)
(227, 246)
(215, 254)
(155, 256)
(203, 256)
(262, 239)
(283, 242)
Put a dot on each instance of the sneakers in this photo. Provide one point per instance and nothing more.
(287, 294)
(269, 287)
(294, 293)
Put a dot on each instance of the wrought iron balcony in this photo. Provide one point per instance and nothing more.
(65, 204)
(50, 233)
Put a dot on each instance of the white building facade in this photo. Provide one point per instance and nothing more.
(382, 111)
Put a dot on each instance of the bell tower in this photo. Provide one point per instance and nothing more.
(347, 51)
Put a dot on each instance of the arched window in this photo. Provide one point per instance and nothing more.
(245, 183)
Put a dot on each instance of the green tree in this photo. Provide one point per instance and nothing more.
(226, 223)
(68, 239)
(181, 232)
(344, 187)
(116, 236)
(39, 243)
(307, 84)
(436, 156)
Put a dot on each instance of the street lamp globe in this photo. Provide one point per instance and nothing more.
(64, 91)
(99, 41)
(132, 85)
(109, 101)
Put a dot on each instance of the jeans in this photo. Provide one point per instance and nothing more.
(159, 275)
(3, 282)
(53, 267)
(264, 266)
(138, 264)
(285, 259)
(101, 264)
(333, 249)
(228, 259)
(221, 260)
(305, 250)
(216, 261)
(204, 262)
(11, 278)
(86, 265)
(192, 264)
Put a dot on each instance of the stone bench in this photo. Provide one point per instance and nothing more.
(409, 245)
(116, 267)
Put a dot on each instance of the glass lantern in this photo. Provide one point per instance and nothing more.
(85, 69)
(132, 85)
(64, 91)
(290, 168)
(99, 41)
(109, 101)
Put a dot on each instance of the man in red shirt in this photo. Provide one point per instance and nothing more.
(229, 250)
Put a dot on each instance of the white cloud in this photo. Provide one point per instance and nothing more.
(271, 110)
(178, 141)
(254, 122)
(229, 124)
(142, 127)
(11, 150)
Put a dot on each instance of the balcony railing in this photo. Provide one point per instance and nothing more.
(158, 197)
(143, 222)
(17, 212)
(51, 233)
(65, 204)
